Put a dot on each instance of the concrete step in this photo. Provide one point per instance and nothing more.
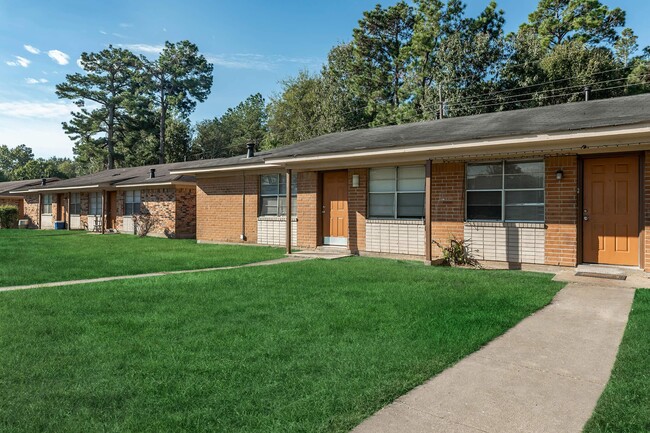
(328, 253)
(598, 271)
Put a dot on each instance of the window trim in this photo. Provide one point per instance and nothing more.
(503, 191)
(47, 207)
(396, 193)
(132, 203)
(76, 204)
(98, 202)
(294, 197)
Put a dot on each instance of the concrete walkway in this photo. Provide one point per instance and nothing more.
(153, 274)
(544, 375)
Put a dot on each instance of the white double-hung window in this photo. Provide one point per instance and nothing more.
(47, 204)
(75, 203)
(131, 203)
(509, 191)
(273, 195)
(95, 202)
(396, 192)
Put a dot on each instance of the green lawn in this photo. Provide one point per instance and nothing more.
(37, 256)
(313, 346)
(624, 406)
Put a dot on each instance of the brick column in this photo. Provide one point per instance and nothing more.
(561, 240)
(308, 212)
(447, 203)
(357, 210)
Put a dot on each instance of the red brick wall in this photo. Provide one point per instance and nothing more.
(561, 210)
(308, 211)
(357, 210)
(119, 209)
(219, 208)
(186, 212)
(161, 204)
(31, 209)
(447, 203)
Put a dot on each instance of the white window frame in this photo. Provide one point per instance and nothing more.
(47, 204)
(294, 196)
(396, 193)
(130, 199)
(98, 204)
(75, 203)
(504, 190)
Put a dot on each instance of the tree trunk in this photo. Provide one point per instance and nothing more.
(109, 138)
(163, 116)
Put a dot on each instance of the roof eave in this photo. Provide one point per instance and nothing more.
(228, 168)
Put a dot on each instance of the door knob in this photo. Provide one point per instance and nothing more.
(586, 217)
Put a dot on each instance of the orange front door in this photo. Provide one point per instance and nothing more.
(611, 211)
(335, 207)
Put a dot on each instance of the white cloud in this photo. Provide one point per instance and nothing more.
(259, 61)
(35, 80)
(59, 56)
(126, 25)
(32, 49)
(143, 48)
(38, 110)
(20, 61)
(80, 63)
(103, 32)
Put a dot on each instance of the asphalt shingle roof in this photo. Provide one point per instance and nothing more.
(7, 187)
(575, 116)
(121, 177)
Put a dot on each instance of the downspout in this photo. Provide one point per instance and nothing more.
(68, 210)
(427, 215)
(40, 206)
(288, 211)
(103, 211)
(243, 208)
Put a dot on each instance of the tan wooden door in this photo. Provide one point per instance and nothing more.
(335, 207)
(611, 211)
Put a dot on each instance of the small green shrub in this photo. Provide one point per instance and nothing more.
(8, 217)
(458, 253)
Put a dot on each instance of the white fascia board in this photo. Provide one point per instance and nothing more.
(155, 185)
(223, 169)
(69, 188)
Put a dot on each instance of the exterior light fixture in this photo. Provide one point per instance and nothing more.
(355, 181)
(559, 174)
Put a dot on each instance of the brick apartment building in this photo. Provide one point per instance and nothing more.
(558, 185)
(110, 200)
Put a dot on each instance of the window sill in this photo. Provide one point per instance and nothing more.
(275, 218)
(395, 221)
(531, 225)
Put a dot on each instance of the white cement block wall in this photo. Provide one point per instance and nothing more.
(272, 231)
(75, 222)
(509, 242)
(395, 236)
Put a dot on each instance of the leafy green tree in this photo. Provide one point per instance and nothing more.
(178, 79)
(442, 66)
(381, 59)
(294, 113)
(12, 159)
(587, 21)
(626, 46)
(227, 135)
(103, 94)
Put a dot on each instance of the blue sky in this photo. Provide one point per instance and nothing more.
(253, 44)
